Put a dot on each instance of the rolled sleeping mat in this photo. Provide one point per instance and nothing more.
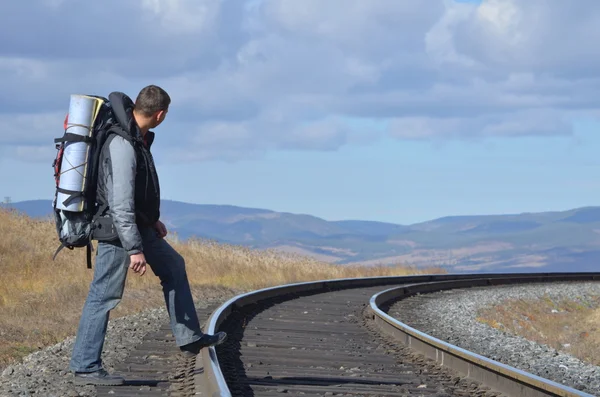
(83, 110)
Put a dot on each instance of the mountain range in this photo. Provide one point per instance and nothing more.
(527, 242)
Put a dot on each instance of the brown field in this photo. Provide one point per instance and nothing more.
(568, 326)
(41, 299)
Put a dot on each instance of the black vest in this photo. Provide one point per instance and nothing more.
(147, 188)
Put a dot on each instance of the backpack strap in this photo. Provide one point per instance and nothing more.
(119, 131)
(69, 137)
(89, 249)
(60, 247)
(72, 195)
(88, 254)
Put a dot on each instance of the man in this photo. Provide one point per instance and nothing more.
(128, 186)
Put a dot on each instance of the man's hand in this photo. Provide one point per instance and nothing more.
(138, 263)
(161, 229)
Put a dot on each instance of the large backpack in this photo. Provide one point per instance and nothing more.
(77, 210)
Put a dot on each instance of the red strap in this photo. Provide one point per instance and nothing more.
(57, 164)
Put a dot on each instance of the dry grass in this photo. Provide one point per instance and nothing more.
(566, 325)
(41, 299)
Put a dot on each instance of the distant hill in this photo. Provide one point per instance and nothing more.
(33, 208)
(545, 241)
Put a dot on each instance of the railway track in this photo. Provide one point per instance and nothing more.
(332, 338)
(335, 338)
(323, 345)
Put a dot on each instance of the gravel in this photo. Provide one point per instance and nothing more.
(46, 372)
(451, 317)
(448, 315)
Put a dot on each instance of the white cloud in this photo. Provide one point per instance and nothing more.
(251, 76)
(31, 128)
(182, 16)
(538, 122)
(439, 40)
(532, 36)
(324, 135)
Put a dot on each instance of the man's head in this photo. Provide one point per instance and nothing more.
(151, 107)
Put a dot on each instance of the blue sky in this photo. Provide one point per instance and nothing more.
(381, 110)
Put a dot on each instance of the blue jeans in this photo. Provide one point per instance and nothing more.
(106, 291)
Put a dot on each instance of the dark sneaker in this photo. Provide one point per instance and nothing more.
(192, 349)
(100, 377)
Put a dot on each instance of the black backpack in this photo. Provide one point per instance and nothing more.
(75, 229)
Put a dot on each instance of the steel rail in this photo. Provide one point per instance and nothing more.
(499, 376)
(209, 379)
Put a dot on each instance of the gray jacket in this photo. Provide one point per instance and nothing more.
(116, 182)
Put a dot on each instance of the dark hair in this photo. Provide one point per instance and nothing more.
(152, 99)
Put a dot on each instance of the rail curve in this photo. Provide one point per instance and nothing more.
(211, 381)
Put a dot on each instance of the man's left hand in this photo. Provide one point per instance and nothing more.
(161, 229)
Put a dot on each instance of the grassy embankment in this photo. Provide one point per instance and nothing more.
(570, 326)
(41, 299)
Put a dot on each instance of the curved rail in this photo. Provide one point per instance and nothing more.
(210, 378)
(501, 377)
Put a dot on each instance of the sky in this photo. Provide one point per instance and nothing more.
(388, 110)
